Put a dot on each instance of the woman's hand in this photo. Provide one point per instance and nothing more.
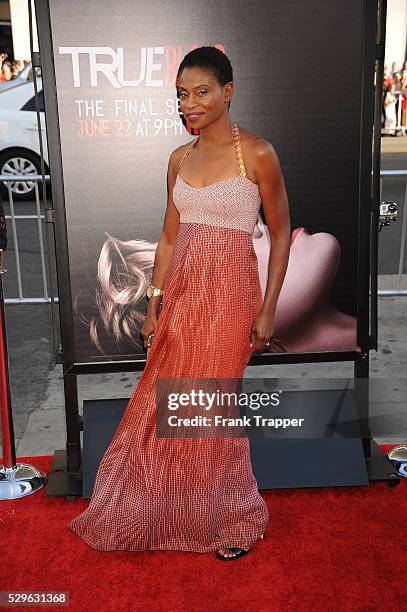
(261, 332)
(148, 327)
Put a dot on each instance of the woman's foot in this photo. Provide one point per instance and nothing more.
(227, 554)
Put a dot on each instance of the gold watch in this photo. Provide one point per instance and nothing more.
(153, 291)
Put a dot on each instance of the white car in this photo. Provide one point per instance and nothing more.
(25, 75)
(19, 141)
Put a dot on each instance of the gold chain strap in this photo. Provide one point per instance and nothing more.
(186, 153)
(238, 150)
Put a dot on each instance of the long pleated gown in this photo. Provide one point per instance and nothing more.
(190, 493)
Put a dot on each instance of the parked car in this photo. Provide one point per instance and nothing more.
(25, 75)
(19, 141)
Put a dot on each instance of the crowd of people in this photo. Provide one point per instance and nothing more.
(10, 68)
(395, 99)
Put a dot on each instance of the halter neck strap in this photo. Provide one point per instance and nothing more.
(241, 170)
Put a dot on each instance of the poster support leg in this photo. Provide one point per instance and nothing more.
(16, 479)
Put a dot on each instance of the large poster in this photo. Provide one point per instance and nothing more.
(297, 78)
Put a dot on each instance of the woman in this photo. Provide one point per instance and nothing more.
(198, 493)
(403, 90)
(389, 103)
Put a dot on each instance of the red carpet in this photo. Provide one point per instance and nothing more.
(336, 549)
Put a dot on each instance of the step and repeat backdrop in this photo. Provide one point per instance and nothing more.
(297, 77)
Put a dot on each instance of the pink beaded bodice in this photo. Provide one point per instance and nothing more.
(233, 202)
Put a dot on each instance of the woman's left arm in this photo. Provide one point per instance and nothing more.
(273, 194)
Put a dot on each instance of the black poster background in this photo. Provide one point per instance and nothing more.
(297, 75)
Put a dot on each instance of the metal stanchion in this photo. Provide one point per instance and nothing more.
(16, 479)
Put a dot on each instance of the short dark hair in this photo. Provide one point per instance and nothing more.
(209, 58)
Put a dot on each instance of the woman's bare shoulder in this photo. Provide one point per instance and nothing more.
(179, 151)
(176, 154)
(257, 153)
(254, 143)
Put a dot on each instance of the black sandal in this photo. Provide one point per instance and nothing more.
(238, 552)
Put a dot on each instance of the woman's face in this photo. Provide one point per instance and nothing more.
(199, 92)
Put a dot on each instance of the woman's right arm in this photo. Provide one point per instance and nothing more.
(168, 235)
